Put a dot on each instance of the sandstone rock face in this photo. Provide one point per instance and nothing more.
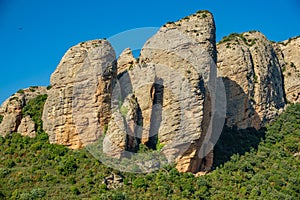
(78, 104)
(122, 133)
(288, 53)
(11, 110)
(182, 56)
(126, 61)
(253, 79)
(27, 127)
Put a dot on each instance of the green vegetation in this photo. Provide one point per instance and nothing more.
(235, 36)
(1, 118)
(21, 91)
(33, 88)
(249, 164)
(289, 41)
(203, 12)
(124, 110)
(34, 108)
(49, 87)
(255, 78)
(13, 99)
(293, 65)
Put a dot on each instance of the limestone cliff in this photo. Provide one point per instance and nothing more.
(78, 104)
(11, 111)
(169, 98)
(288, 53)
(126, 61)
(183, 54)
(253, 79)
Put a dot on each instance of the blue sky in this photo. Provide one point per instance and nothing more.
(35, 34)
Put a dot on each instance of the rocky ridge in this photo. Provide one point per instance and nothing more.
(165, 97)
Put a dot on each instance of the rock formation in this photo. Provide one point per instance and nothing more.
(169, 99)
(183, 54)
(27, 127)
(126, 61)
(78, 104)
(253, 79)
(11, 110)
(288, 53)
(122, 130)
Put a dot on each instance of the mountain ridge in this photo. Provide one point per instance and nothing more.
(260, 77)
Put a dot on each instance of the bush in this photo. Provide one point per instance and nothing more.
(1, 118)
(67, 165)
(34, 108)
(21, 91)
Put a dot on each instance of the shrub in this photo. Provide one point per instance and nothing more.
(34, 108)
(33, 88)
(21, 91)
(1, 118)
(67, 165)
(293, 65)
(49, 87)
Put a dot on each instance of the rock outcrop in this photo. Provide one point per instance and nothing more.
(123, 129)
(288, 53)
(126, 61)
(169, 99)
(79, 103)
(183, 54)
(11, 110)
(27, 127)
(253, 79)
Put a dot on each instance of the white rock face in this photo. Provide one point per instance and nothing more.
(78, 104)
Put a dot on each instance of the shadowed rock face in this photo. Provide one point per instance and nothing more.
(78, 104)
(11, 110)
(250, 61)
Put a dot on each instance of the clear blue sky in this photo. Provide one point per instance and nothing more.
(34, 34)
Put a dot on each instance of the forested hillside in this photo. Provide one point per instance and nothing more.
(254, 165)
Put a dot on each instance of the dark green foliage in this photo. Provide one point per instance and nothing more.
(34, 108)
(233, 141)
(20, 91)
(49, 87)
(255, 165)
(293, 65)
(202, 12)
(1, 118)
(33, 88)
(234, 36)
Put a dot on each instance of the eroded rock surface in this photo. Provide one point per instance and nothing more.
(126, 61)
(11, 110)
(182, 55)
(253, 79)
(78, 104)
(288, 53)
